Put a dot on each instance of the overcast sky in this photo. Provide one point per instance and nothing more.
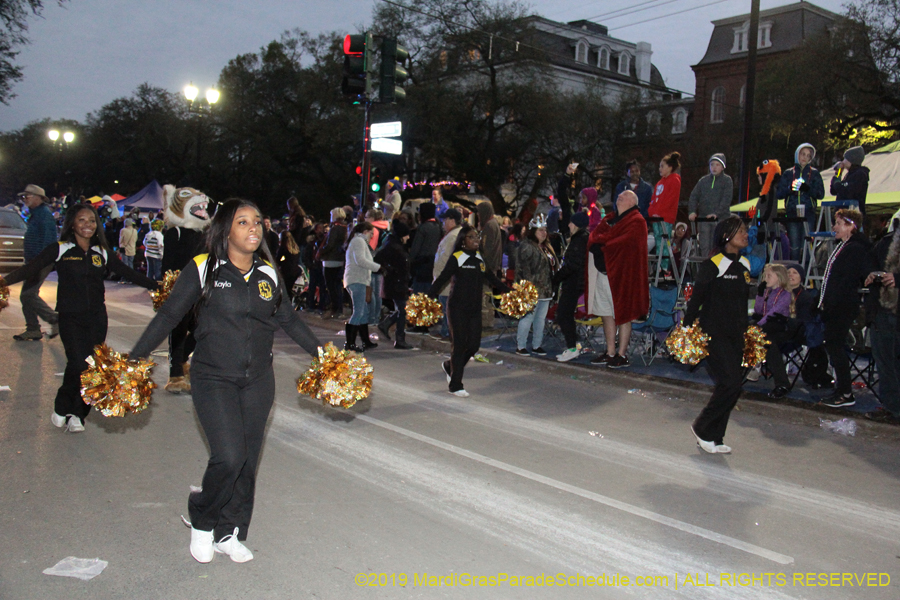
(92, 51)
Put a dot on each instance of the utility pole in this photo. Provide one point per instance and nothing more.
(744, 184)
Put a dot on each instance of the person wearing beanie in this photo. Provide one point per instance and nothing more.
(711, 198)
(851, 179)
(719, 302)
(394, 261)
(800, 185)
(588, 200)
(571, 276)
(453, 221)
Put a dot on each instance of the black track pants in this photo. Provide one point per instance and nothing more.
(465, 338)
(724, 367)
(79, 333)
(233, 413)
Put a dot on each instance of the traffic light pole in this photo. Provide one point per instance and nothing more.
(367, 161)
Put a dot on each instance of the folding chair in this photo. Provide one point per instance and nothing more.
(660, 322)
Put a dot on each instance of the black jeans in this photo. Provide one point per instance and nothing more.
(79, 333)
(724, 367)
(334, 281)
(780, 334)
(837, 326)
(565, 313)
(465, 340)
(398, 316)
(233, 414)
(316, 293)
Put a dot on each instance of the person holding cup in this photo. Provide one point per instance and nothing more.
(801, 187)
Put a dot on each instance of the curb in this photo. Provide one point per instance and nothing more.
(754, 402)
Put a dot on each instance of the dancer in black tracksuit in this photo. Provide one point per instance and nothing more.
(239, 301)
(82, 259)
(466, 268)
(720, 300)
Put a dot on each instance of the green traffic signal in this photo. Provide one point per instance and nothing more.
(376, 187)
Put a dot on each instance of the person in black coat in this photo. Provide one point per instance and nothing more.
(82, 259)
(849, 264)
(467, 270)
(881, 316)
(719, 301)
(851, 179)
(394, 260)
(571, 276)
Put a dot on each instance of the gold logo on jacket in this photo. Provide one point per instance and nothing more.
(746, 276)
(265, 290)
(97, 260)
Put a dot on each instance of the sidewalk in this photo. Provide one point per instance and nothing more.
(497, 346)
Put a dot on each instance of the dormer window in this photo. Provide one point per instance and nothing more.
(603, 58)
(624, 63)
(581, 52)
(764, 39)
(742, 37)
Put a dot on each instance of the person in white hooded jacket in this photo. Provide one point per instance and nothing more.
(358, 268)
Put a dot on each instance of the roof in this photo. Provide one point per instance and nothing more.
(561, 53)
(791, 25)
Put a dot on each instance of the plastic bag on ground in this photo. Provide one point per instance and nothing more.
(80, 568)
(844, 427)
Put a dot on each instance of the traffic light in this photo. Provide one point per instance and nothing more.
(392, 74)
(359, 52)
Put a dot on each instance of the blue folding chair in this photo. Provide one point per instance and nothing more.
(652, 333)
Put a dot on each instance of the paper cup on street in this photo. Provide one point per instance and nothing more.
(801, 210)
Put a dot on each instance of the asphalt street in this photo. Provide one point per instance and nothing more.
(415, 493)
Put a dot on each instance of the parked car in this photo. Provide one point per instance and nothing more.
(12, 240)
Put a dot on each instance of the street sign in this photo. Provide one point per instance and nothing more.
(387, 145)
(386, 130)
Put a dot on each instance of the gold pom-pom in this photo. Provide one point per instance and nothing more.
(116, 385)
(422, 311)
(4, 297)
(337, 377)
(520, 301)
(688, 345)
(755, 343)
(161, 294)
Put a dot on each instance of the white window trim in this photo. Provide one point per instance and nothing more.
(742, 37)
(717, 116)
(581, 47)
(600, 57)
(624, 63)
(679, 126)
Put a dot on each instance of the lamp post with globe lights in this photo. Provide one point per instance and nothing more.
(200, 108)
(60, 141)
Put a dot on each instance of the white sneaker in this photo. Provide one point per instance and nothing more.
(723, 449)
(75, 425)
(753, 374)
(461, 393)
(445, 366)
(230, 545)
(568, 355)
(708, 447)
(202, 545)
(57, 420)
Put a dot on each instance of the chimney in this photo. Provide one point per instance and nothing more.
(642, 61)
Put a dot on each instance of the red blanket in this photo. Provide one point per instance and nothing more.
(624, 243)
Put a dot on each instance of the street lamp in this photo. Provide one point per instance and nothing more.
(53, 135)
(69, 137)
(191, 93)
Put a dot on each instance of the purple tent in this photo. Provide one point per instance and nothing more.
(149, 198)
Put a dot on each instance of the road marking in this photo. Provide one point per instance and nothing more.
(712, 536)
